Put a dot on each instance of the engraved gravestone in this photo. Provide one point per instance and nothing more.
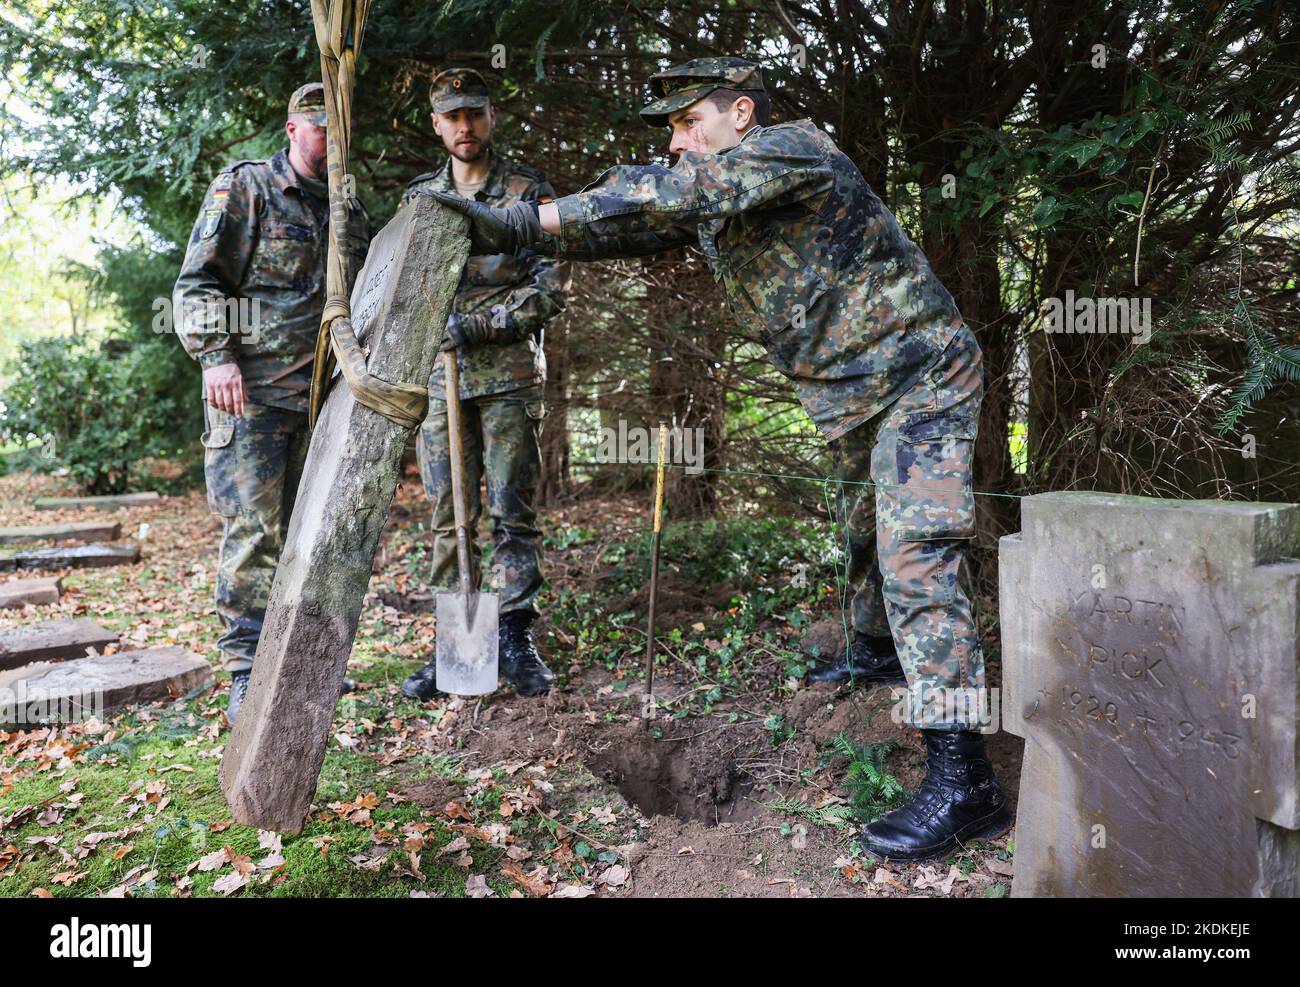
(400, 305)
(1149, 661)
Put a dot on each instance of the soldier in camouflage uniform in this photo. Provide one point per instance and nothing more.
(850, 311)
(247, 307)
(501, 307)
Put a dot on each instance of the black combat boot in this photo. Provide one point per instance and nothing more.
(238, 690)
(868, 660)
(423, 685)
(959, 801)
(519, 661)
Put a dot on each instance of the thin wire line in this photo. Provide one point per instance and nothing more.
(795, 476)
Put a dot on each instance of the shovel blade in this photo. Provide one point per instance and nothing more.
(467, 643)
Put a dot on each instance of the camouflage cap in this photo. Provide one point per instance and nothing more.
(309, 100)
(682, 85)
(454, 88)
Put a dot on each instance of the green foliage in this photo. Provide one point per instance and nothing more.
(98, 411)
(872, 790)
(1268, 363)
(831, 815)
(1217, 136)
(778, 731)
(1055, 159)
(759, 554)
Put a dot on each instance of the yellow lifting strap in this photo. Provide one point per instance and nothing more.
(340, 25)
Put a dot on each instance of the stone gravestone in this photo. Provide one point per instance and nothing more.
(1149, 661)
(107, 502)
(70, 557)
(76, 531)
(52, 640)
(400, 306)
(72, 690)
(20, 592)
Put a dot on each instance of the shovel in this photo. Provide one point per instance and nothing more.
(467, 620)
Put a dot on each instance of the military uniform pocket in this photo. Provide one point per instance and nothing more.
(218, 427)
(932, 456)
(777, 283)
(287, 256)
(219, 461)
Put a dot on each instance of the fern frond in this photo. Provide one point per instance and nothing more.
(1268, 363)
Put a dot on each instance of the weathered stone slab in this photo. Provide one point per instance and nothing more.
(78, 531)
(1150, 662)
(400, 306)
(98, 686)
(71, 557)
(20, 592)
(108, 502)
(51, 640)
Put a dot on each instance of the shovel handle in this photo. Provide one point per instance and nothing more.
(456, 455)
(654, 575)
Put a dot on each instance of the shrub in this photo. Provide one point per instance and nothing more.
(97, 410)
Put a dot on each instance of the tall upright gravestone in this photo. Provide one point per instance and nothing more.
(1150, 662)
(399, 309)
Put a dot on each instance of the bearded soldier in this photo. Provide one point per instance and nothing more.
(248, 304)
(501, 308)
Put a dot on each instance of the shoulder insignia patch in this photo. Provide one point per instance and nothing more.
(211, 220)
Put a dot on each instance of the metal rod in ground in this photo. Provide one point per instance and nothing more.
(648, 707)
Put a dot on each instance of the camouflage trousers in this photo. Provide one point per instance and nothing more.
(252, 464)
(500, 444)
(906, 533)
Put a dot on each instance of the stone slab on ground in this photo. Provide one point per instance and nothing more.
(77, 531)
(52, 640)
(71, 557)
(39, 590)
(98, 686)
(107, 502)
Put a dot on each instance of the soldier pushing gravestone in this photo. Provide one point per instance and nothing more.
(851, 312)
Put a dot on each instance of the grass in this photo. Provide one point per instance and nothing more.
(151, 778)
(111, 786)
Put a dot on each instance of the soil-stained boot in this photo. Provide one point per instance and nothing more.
(517, 656)
(423, 684)
(238, 690)
(959, 801)
(868, 660)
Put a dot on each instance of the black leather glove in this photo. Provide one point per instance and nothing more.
(454, 337)
(463, 330)
(495, 229)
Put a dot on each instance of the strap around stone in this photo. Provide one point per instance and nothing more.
(402, 404)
